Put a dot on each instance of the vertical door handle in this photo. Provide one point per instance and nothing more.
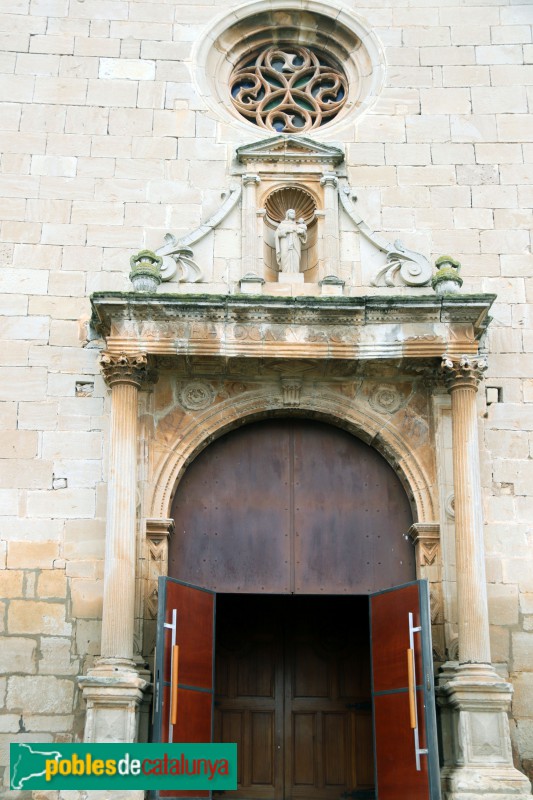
(174, 685)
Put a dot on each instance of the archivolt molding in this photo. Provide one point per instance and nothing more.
(327, 405)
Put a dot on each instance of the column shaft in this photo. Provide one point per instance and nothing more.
(472, 608)
(119, 570)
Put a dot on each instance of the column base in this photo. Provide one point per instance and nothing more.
(478, 760)
(113, 690)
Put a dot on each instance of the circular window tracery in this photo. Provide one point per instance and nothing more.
(340, 41)
(288, 88)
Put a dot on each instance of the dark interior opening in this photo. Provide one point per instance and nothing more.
(292, 688)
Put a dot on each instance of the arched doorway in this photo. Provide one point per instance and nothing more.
(292, 513)
(291, 505)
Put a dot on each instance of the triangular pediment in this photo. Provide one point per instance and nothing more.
(290, 148)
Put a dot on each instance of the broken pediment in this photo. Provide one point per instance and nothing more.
(290, 149)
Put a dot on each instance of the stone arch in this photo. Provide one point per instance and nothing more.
(369, 426)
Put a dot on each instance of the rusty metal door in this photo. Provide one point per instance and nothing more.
(291, 506)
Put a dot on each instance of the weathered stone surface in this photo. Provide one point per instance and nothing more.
(18, 654)
(40, 695)
(31, 616)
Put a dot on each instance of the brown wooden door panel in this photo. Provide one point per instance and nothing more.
(405, 747)
(311, 736)
(291, 505)
(192, 611)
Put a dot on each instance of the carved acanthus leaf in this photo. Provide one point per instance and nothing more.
(404, 267)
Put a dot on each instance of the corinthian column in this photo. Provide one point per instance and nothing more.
(113, 688)
(474, 699)
(462, 378)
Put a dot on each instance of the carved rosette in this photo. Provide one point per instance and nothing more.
(123, 368)
(465, 373)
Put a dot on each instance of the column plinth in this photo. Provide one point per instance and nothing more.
(474, 699)
(113, 689)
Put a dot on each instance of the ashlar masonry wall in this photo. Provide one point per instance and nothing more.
(106, 146)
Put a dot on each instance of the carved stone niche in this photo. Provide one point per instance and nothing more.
(290, 172)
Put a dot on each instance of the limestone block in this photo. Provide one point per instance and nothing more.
(31, 555)
(8, 415)
(472, 127)
(9, 501)
(498, 153)
(56, 657)
(457, 76)
(97, 212)
(12, 583)
(526, 603)
(96, 168)
(522, 651)
(154, 147)
(64, 444)
(84, 539)
(112, 92)
(9, 723)
(64, 504)
(88, 635)
(381, 129)
(174, 123)
(494, 196)
(78, 66)
(52, 583)
(53, 165)
(30, 616)
(499, 644)
(514, 128)
(41, 695)
(503, 604)
(48, 211)
(126, 69)
(86, 598)
(21, 281)
(64, 234)
(93, 46)
(18, 654)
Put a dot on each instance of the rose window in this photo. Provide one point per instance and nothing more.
(288, 89)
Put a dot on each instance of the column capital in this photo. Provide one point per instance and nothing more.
(124, 368)
(329, 179)
(250, 178)
(466, 372)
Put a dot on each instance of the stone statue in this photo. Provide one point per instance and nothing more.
(290, 235)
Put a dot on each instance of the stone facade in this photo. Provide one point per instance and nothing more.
(114, 134)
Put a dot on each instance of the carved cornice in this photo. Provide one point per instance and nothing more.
(126, 368)
(222, 329)
(467, 372)
(287, 148)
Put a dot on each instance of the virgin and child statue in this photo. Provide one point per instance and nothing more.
(290, 236)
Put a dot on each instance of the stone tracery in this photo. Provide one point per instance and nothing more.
(288, 89)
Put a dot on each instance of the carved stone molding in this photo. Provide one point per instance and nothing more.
(291, 390)
(157, 535)
(467, 372)
(124, 368)
(426, 539)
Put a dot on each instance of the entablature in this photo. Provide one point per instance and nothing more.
(319, 329)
